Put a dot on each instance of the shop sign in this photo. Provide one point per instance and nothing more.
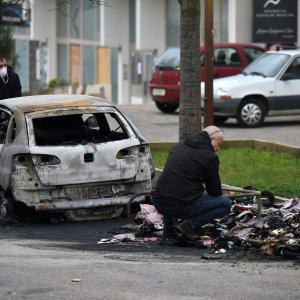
(274, 21)
(14, 15)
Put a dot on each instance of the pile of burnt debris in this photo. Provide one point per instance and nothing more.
(270, 228)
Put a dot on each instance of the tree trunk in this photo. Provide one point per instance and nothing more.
(189, 103)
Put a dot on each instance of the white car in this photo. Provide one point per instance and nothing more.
(269, 86)
(72, 154)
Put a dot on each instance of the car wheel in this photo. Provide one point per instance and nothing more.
(166, 107)
(5, 206)
(220, 119)
(251, 113)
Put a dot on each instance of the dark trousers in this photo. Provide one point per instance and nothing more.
(204, 210)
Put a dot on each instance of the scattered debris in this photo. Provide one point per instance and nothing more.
(275, 233)
(127, 237)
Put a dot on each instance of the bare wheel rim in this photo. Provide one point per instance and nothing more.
(251, 114)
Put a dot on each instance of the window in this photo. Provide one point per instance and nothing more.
(62, 20)
(170, 59)
(293, 71)
(78, 129)
(22, 48)
(89, 20)
(173, 22)
(226, 57)
(252, 54)
(221, 57)
(4, 121)
(221, 20)
(89, 64)
(62, 61)
(132, 20)
(75, 19)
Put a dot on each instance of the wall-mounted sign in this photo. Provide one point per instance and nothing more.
(275, 21)
(13, 14)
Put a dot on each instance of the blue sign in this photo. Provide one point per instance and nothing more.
(13, 15)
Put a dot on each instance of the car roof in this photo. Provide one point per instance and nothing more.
(290, 52)
(41, 102)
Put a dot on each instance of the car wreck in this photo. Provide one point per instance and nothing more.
(74, 154)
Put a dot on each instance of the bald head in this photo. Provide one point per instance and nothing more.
(216, 136)
(213, 130)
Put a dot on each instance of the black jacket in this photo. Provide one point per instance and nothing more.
(12, 88)
(191, 165)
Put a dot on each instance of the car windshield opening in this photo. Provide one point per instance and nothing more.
(78, 129)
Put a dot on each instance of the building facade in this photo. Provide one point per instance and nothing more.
(109, 50)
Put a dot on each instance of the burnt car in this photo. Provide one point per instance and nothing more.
(71, 154)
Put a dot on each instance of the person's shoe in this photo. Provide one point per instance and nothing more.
(186, 229)
(169, 232)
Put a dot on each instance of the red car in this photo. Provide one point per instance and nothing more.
(229, 59)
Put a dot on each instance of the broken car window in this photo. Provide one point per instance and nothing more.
(78, 129)
(4, 120)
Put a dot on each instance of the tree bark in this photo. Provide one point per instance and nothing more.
(189, 103)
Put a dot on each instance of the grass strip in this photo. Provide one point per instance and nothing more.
(278, 173)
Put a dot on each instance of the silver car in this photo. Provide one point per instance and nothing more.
(74, 154)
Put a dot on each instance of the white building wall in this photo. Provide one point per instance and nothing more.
(115, 33)
(151, 25)
(240, 21)
(43, 29)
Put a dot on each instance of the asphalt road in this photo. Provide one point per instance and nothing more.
(41, 260)
(159, 127)
(64, 261)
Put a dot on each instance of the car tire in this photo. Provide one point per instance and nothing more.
(220, 119)
(5, 206)
(166, 107)
(251, 113)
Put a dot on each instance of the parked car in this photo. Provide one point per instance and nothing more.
(229, 59)
(74, 154)
(269, 86)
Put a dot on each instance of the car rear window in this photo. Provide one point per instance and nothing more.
(78, 129)
(170, 59)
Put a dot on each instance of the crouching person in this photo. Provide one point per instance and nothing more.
(189, 188)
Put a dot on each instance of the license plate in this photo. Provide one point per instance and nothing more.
(159, 92)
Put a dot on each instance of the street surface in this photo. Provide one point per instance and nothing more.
(63, 261)
(41, 260)
(159, 127)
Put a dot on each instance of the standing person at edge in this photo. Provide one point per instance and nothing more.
(10, 86)
(191, 168)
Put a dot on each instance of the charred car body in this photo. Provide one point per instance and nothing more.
(75, 154)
